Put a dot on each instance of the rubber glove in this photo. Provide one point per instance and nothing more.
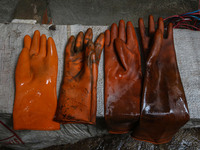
(164, 108)
(35, 80)
(78, 95)
(122, 78)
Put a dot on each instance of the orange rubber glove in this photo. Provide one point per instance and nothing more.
(122, 78)
(78, 95)
(164, 108)
(35, 80)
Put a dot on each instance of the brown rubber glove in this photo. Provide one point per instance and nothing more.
(122, 78)
(164, 108)
(35, 80)
(78, 95)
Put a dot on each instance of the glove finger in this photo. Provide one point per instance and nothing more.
(109, 52)
(131, 35)
(99, 44)
(107, 38)
(88, 36)
(132, 42)
(35, 45)
(170, 31)
(51, 51)
(129, 30)
(151, 26)
(69, 50)
(161, 24)
(43, 45)
(23, 65)
(94, 87)
(88, 51)
(113, 33)
(122, 32)
(155, 49)
(79, 42)
(27, 42)
(142, 30)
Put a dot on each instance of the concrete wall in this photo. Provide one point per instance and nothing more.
(92, 12)
(7, 8)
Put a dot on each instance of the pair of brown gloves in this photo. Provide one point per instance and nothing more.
(153, 108)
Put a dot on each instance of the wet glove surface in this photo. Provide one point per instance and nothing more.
(78, 95)
(122, 78)
(164, 108)
(35, 80)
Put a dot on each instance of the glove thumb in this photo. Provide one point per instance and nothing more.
(122, 52)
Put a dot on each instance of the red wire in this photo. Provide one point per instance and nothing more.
(185, 20)
(172, 17)
(187, 25)
(183, 27)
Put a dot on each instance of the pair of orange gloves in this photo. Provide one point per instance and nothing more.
(36, 76)
(155, 117)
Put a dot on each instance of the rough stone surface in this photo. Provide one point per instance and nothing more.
(106, 12)
(33, 9)
(185, 139)
(93, 12)
(7, 10)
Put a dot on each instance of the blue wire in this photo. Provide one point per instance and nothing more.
(198, 18)
(191, 12)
